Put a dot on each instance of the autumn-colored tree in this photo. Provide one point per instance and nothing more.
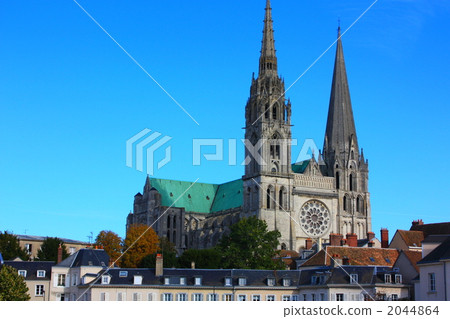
(12, 285)
(111, 243)
(141, 241)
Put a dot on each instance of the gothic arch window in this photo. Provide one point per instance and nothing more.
(346, 208)
(274, 111)
(282, 198)
(168, 235)
(174, 236)
(353, 155)
(168, 222)
(269, 198)
(174, 222)
(351, 182)
(267, 112)
(337, 180)
(357, 204)
(360, 205)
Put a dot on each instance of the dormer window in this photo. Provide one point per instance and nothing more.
(270, 281)
(123, 274)
(167, 281)
(227, 281)
(41, 273)
(398, 279)
(137, 280)
(183, 281)
(286, 282)
(353, 279)
(242, 281)
(387, 278)
(198, 281)
(106, 279)
(23, 273)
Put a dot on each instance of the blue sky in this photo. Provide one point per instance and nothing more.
(70, 98)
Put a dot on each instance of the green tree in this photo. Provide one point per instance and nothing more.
(49, 249)
(140, 242)
(111, 243)
(250, 246)
(203, 258)
(169, 252)
(10, 248)
(12, 285)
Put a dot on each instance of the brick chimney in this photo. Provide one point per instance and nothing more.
(60, 254)
(370, 236)
(417, 222)
(159, 269)
(308, 244)
(352, 240)
(335, 239)
(384, 238)
(192, 264)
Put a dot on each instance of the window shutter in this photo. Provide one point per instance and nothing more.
(67, 280)
(55, 280)
(333, 297)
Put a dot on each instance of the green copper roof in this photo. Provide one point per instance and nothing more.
(201, 197)
(300, 167)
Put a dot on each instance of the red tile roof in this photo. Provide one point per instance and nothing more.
(357, 256)
(412, 237)
(414, 257)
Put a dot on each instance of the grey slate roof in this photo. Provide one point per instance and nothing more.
(42, 238)
(32, 268)
(441, 252)
(86, 257)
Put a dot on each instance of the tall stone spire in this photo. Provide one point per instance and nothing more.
(340, 136)
(268, 59)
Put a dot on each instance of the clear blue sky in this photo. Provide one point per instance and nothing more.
(70, 98)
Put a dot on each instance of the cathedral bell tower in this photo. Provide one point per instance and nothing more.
(268, 174)
(344, 160)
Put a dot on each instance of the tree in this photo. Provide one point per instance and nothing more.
(111, 243)
(250, 246)
(141, 241)
(169, 252)
(12, 285)
(49, 250)
(203, 258)
(10, 248)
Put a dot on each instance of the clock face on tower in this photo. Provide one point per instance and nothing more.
(315, 218)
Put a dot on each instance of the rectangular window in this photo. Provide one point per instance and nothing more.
(398, 279)
(286, 298)
(313, 297)
(242, 281)
(166, 281)
(72, 250)
(23, 273)
(121, 296)
(103, 296)
(270, 298)
(39, 290)
(286, 282)
(256, 298)
(305, 297)
(137, 296)
(137, 280)
(295, 298)
(41, 273)
(150, 296)
(183, 281)
(432, 282)
(74, 279)
(242, 297)
(387, 278)
(182, 297)
(322, 297)
(228, 281)
(198, 281)
(61, 280)
(227, 297)
(105, 280)
(28, 248)
(167, 297)
(213, 297)
(270, 281)
(123, 274)
(394, 297)
(197, 297)
(339, 297)
(353, 279)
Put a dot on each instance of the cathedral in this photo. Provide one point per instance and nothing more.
(306, 200)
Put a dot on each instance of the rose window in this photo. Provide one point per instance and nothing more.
(315, 218)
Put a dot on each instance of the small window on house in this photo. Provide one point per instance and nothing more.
(182, 297)
(305, 297)
(41, 273)
(387, 278)
(242, 281)
(39, 291)
(270, 281)
(353, 279)
(137, 296)
(398, 279)
(394, 297)
(242, 297)
(183, 281)
(166, 297)
(286, 282)
(213, 297)
(431, 282)
(103, 296)
(120, 296)
(313, 297)
(256, 298)
(72, 250)
(339, 297)
(167, 281)
(137, 280)
(197, 297)
(286, 298)
(387, 260)
(22, 273)
(198, 281)
(227, 297)
(61, 280)
(29, 248)
(150, 296)
(228, 281)
(322, 297)
(372, 259)
(123, 274)
(270, 297)
(105, 280)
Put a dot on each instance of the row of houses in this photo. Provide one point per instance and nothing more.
(412, 267)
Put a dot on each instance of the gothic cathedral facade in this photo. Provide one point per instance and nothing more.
(306, 200)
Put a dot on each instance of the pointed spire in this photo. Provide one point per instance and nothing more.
(268, 59)
(148, 184)
(340, 132)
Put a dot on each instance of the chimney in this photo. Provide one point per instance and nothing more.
(192, 264)
(60, 254)
(308, 244)
(335, 239)
(417, 222)
(345, 261)
(336, 261)
(370, 236)
(352, 240)
(159, 265)
(384, 238)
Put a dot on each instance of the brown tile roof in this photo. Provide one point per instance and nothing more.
(358, 256)
(412, 237)
(433, 229)
(414, 257)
